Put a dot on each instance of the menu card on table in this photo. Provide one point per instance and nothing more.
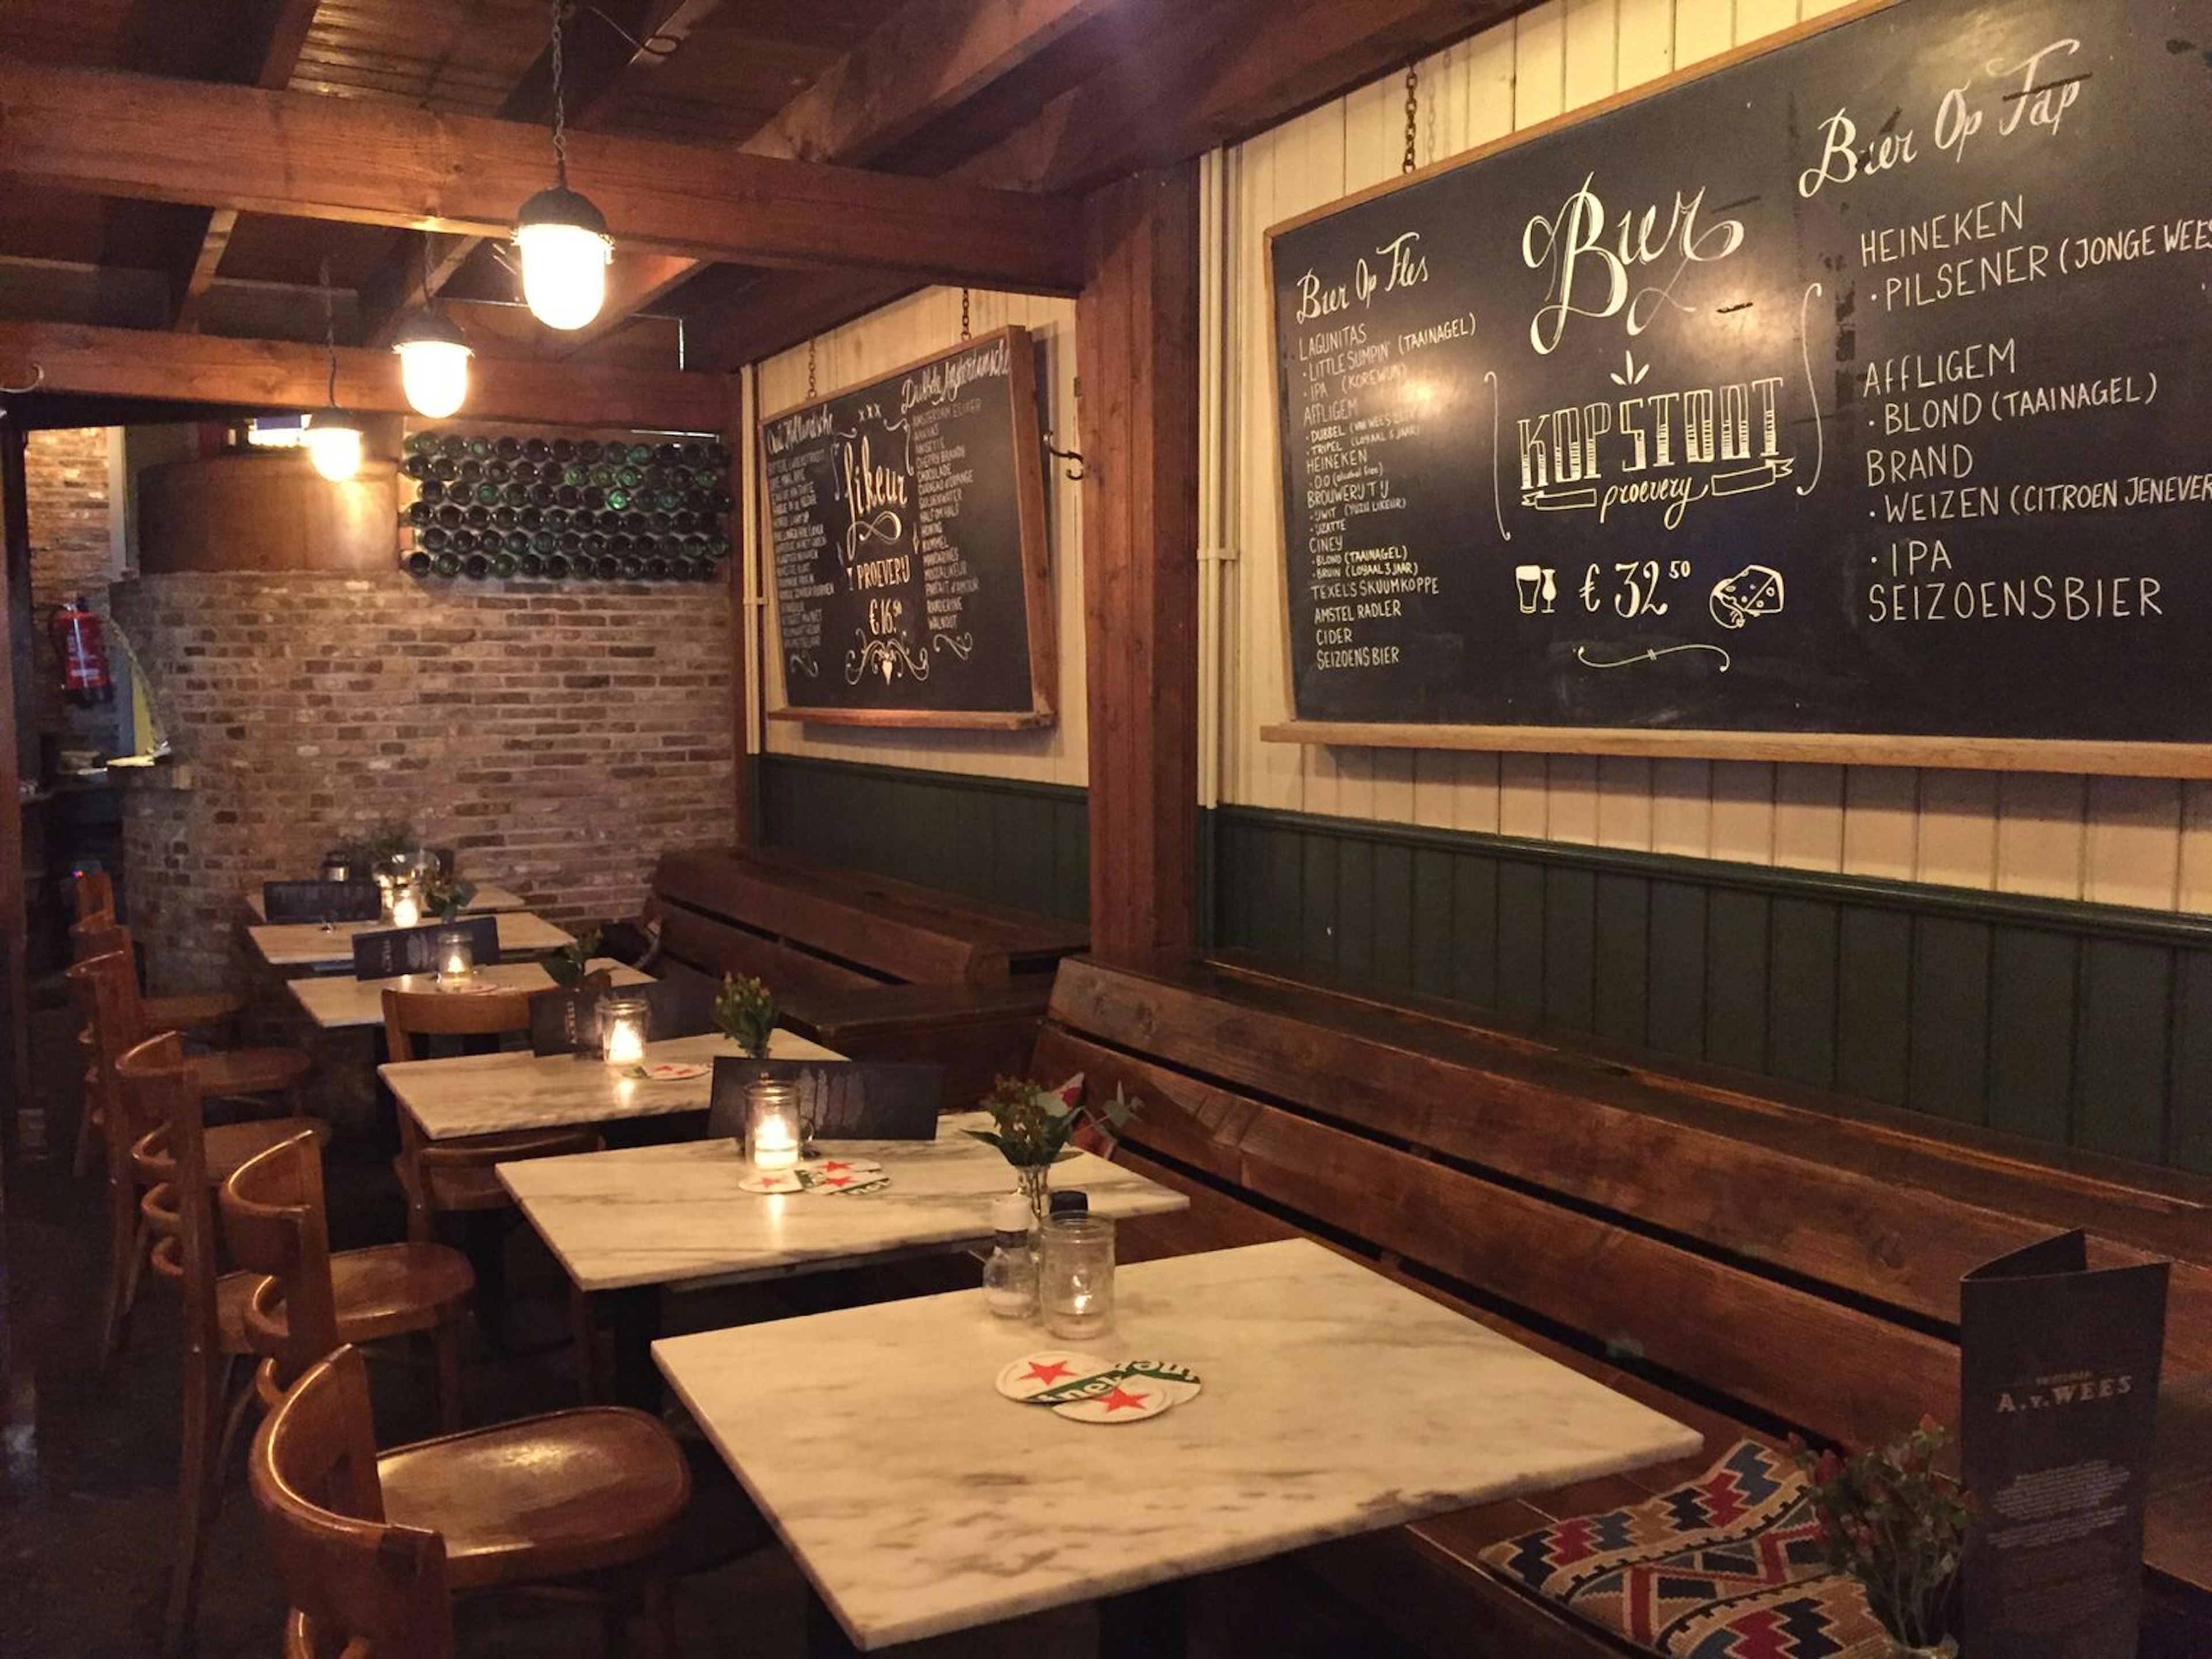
(839, 1099)
(2059, 1389)
(394, 951)
(321, 901)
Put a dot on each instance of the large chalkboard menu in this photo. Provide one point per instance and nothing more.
(1854, 399)
(907, 538)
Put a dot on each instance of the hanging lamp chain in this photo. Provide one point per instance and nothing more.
(559, 100)
(966, 333)
(1412, 113)
(810, 370)
(329, 334)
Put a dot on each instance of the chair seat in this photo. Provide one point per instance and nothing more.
(192, 1011)
(387, 1290)
(229, 1145)
(249, 1070)
(569, 1492)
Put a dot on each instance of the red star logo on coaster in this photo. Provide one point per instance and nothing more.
(832, 1166)
(838, 1180)
(1122, 1400)
(1051, 1373)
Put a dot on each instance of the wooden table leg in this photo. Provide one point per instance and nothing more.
(825, 1637)
(1144, 1624)
(635, 1317)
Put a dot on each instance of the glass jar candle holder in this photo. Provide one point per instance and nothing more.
(622, 1022)
(774, 1129)
(457, 956)
(1075, 1275)
(406, 908)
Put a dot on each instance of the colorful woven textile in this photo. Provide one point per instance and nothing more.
(1728, 1567)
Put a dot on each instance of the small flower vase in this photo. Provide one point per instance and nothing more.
(1037, 1187)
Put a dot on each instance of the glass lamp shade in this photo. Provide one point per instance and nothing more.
(434, 366)
(565, 250)
(334, 447)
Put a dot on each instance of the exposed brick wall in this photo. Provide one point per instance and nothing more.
(65, 479)
(560, 737)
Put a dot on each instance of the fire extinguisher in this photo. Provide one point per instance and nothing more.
(83, 653)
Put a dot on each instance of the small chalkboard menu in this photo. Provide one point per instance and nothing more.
(906, 532)
(567, 1021)
(1849, 400)
(390, 951)
(2059, 1366)
(838, 1099)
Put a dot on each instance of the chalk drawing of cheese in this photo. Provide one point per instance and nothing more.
(1753, 590)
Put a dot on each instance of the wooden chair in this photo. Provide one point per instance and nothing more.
(381, 1291)
(105, 987)
(94, 892)
(456, 1176)
(591, 1494)
(211, 1016)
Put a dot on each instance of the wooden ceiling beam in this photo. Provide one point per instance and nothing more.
(282, 34)
(305, 155)
(1207, 75)
(272, 375)
(929, 56)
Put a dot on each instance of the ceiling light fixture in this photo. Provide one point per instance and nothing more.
(333, 439)
(563, 237)
(434, 356)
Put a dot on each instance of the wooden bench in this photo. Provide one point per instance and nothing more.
(1741, 1256)
(873, 968)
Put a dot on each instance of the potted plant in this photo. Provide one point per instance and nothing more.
(745, 1012)
(1032, 1127)
(1891, 1522)
(445, 893)
(570, 967)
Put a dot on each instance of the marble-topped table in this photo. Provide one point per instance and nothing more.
(311, 945)
(488, 897)
(675, 1215)
(488, 1094)
(1335, 1402)
(334, 1002)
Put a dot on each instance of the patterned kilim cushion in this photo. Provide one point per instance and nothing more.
(1728, 1567)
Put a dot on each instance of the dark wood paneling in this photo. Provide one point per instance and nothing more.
(2072, 1025)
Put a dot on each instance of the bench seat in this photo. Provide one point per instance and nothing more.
(1689, 1238)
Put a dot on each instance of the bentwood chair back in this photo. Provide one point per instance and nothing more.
(273, 1216)
(157, 1081)
(102, 986)
(447, 1176)
(94, 892)
(99, 935)
(358, 1585)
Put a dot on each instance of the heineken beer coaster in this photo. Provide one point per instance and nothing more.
(1054, 1368)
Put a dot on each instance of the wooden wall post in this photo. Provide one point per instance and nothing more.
(1136, 333)
(16, 668)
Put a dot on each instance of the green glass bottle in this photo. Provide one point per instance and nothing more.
(446, 564)
(502, 565)
(418, 563)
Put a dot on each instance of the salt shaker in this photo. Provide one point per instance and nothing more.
(1009, 1273)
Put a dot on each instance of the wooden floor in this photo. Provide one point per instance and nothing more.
(87, 1472)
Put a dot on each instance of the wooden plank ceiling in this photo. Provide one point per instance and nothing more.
(1054, 95)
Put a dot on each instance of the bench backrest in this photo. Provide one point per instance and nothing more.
(1797, 1261)
(805, 925)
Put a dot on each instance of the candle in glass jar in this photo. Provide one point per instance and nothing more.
(772, 1126)
(1075, 1275)
(622, 1031)
(456, 955)
(406, 908)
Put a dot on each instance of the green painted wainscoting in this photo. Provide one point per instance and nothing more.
(1023, 844)
(2086, 1025)
(2083, 1025)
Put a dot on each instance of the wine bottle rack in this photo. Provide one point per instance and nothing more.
(557, 507)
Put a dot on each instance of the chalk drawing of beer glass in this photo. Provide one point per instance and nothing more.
(1529, 585)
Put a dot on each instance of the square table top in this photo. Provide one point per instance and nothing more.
(1334, 1402)
(488, 897)
(309, 944)
(675, 1215)
(333, 1001)
(490, 1094)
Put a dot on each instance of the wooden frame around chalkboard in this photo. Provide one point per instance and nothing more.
(2076, 755)
(1035, 555)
